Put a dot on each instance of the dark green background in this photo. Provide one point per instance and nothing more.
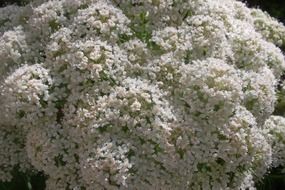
(273, 181)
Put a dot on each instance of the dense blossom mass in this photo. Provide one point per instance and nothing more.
(141, 94)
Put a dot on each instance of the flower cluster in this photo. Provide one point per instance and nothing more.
(140, 94)
(274, 132)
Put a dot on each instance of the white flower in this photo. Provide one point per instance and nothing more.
(211, 88)
(140, 94)
(274, 130)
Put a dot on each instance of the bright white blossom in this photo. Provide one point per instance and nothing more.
(141, 94)
(274, 128)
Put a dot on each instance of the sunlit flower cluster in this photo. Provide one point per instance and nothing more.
(141, 94)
